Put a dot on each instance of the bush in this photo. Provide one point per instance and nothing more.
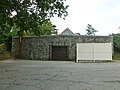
(116, 56)
(2, 48)
(116, 42)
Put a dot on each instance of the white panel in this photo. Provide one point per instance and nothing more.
(85, 47)
(85, 56)
(103, 56)
(94, 51)
(85, 51)
(102, 47)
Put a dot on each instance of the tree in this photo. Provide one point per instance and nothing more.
(30, 15)
(90, 30)
(47, 28)
(116, 42)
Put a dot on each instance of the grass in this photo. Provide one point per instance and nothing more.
(116, 56)
(2, 48)
(3, 53)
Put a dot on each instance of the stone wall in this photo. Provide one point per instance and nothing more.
(40, 48)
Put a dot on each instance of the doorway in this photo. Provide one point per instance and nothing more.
(60, 53)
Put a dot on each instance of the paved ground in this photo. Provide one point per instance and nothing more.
(59, 75)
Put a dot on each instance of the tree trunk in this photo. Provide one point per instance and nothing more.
(20, 47)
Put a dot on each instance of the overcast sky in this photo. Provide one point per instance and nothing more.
(103, 15)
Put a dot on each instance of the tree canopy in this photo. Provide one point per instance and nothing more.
(29, 15)
(90, 30)
(116, 42)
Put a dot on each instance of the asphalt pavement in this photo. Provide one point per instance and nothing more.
(58, 75)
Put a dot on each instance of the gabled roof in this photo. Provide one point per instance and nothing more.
(67, 31)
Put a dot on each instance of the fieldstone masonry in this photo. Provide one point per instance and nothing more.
(40, 48)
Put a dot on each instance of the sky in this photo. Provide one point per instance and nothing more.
(103, 15)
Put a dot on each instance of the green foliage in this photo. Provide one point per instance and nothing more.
(90, 30)
(30, 17)
(2, 48)
(46, 29)
(116, 42)
(4, 30)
